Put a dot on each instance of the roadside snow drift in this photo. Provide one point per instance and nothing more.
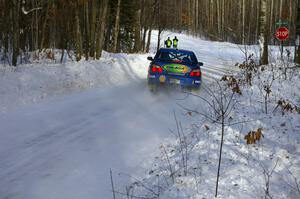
(45, 78)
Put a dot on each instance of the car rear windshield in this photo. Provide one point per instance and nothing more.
(177, 56)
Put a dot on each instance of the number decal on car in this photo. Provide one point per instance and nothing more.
(162, 78)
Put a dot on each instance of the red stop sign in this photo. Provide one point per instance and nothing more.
(282, 33)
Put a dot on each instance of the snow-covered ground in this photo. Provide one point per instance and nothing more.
(270, 168)
(63, 126)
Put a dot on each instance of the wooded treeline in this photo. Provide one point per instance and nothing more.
(88, 26)
(232, 20)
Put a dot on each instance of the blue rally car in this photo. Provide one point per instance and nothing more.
(173, 66)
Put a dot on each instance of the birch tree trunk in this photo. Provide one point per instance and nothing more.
(264, 34)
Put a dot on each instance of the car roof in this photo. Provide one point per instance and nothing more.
(175, 50)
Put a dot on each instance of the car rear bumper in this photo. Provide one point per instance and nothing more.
(174, 80)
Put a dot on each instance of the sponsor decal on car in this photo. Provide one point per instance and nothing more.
(176, 68)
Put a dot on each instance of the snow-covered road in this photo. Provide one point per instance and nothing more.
(63, 147)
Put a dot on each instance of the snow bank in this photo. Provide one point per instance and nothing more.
(269, 168)
(33, 82)
(44, 77)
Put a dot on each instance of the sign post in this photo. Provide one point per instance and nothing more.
(282, 34)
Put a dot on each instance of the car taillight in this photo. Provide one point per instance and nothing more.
(195, 73)
(156, 69)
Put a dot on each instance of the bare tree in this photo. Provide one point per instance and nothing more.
(112, 184)
(117, 27)
(93, 24)
(264, 35)
(34, 25)
(220, 106)
(297, 54)
(137, 29)
(16, 31)
(102, 21)
(267, 176)
(78, 36)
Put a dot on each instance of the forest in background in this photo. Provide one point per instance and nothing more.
(87, 27)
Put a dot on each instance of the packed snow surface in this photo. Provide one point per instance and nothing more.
(64, 126)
